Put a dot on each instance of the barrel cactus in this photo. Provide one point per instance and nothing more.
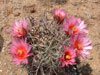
(46, 37)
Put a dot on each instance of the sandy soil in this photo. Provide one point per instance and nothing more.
(11, 10)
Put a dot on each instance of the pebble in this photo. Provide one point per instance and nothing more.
(32, 10)
(91, 58)
(1, 29)
(8, 42)
(19, 6)
(17, 14)
(0, 70)
(3, 49)
(11, 73)
(5, 63)
(14, 1)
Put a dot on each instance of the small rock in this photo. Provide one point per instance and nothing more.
(91, 58)
(19, 6)
(11, 73)
(32, 10)
(8, 42)
(3, 49)
(9, 12)
(0, 70)
(14, 1)
(29, 9)
(1, 29)
(17, 14)
(5, 63)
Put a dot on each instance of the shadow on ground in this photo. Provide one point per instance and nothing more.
(85, 70)
(1, 43)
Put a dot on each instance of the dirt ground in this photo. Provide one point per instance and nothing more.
(11, 10)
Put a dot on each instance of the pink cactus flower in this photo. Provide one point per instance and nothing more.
(82, 44)
(19, 49)
(73, 26)
(68, 57)
(19, 29)
(60, 15)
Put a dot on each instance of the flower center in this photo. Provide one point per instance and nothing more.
(74, 29)
(60, 17)
(21, 53)
(21, 32)
(68, 57)
(59, 14)
(78, 45)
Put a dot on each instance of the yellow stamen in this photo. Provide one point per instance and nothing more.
(67, 57)
(74, 28)
(19, 30)
(80, 46)
(20, 52)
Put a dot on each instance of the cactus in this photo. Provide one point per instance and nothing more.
(46, 38)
